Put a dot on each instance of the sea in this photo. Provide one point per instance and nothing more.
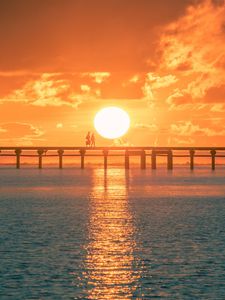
(112, 234)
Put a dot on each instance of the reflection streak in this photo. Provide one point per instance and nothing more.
(110, 257)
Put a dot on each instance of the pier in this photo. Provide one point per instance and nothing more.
(145, 154)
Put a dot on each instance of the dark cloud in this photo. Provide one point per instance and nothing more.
(81, 34)
(218, 2)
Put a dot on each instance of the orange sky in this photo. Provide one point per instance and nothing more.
(162, 61)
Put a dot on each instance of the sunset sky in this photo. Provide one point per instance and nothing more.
(162, 61)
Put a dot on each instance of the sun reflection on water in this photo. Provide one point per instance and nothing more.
(110, 252)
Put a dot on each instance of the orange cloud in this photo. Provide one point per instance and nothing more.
(59, 125)
(193, 48)
(218, 108)
(134, 79)
(150, 127)
(158, 82)
(153, 83)
(190, 129)
(181, 141)
(2, 130)
(98, 77)
(49, 90)
(20, 133)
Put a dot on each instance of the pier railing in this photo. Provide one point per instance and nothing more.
(192, 153)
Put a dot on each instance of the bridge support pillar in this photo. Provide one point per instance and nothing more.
(60, 153)
(143, 160)
(82, 154)
(192, 154)
(127, 161)
(170, 160)
(18, 153)
(153, 160)
(40, 153)
(213, 155)
(105, 153)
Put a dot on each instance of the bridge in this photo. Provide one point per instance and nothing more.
(192, 153)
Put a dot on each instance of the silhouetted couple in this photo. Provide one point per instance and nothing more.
(90, 139)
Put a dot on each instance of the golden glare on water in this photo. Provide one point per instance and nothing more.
(112, 122)
(110, 256)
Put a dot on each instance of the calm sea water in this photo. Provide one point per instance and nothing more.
(91, 234)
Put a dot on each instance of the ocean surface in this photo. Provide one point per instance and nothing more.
(115, 234)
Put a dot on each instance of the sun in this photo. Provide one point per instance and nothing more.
(112, 122)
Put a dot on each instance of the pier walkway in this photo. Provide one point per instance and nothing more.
(192, 153)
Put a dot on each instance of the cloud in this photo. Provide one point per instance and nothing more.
(98, 77)
(218, 108)
(150, 127)
(2, 130)
(190, 41)
(185, 129)
(20, 133)
(121, 142)
(153, 83)
(177, 99)
(134, 79)
(85, 88)
(180, 141)
(218, 2)
(59, 125)
(148, 94)
(50, 90)
(158, 82)
(193, 50)
(181, 101)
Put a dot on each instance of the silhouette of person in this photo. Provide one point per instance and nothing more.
(92, 140)
(88, 139)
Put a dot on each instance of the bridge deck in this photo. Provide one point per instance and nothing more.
(143, 152)
(110, 148)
